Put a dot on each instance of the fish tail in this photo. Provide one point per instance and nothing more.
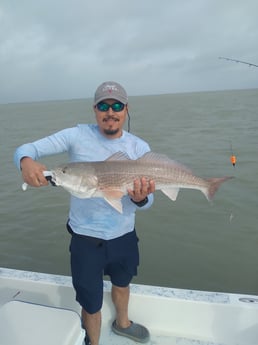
(214, 184)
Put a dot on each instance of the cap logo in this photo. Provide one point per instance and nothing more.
(110, 88)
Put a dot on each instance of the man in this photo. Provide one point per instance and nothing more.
(103, 240)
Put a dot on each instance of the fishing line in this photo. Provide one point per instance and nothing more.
(128, 121)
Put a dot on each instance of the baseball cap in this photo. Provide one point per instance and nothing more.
(110, 89)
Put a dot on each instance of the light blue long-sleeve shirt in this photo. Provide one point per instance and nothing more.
(92, 216)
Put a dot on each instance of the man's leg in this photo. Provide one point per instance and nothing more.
(122, 325)
(120, 297)
(87, 263)
(92, 325)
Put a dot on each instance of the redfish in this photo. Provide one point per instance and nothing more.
(111, 179)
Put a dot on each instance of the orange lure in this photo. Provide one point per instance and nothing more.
(233, 157)
(233, 160)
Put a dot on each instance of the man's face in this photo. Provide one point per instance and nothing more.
(110, 120)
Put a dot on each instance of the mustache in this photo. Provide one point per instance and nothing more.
(111, 117)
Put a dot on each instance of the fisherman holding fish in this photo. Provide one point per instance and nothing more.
(103, 240)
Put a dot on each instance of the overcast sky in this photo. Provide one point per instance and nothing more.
(53, 49)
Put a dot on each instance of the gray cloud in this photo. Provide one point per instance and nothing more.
(62, 50)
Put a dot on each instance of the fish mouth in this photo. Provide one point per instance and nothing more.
(52, 178)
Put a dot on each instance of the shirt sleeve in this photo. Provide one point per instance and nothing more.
(56, 143)
(148, 204)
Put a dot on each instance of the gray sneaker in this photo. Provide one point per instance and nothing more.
(135, 332)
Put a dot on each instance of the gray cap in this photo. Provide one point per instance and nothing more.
(112, 90)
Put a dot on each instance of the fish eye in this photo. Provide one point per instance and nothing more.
(64, 170)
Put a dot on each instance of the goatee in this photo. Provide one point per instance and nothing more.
(111, 131)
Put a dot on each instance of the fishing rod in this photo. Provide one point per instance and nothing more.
(239, 61)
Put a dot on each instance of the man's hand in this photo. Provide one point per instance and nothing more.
(32, 172)
(141, 189)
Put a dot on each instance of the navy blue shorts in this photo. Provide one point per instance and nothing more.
(91, 258)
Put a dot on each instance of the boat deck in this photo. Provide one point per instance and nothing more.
(173, 316)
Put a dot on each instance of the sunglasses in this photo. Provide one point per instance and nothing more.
(116, 107)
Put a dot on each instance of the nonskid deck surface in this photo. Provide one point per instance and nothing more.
(109, 338)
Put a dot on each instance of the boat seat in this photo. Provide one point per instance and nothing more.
(23, 323)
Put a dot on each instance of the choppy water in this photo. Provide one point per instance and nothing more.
(189, 243)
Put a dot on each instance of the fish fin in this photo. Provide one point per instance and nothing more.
(115, 203)
(118, 156)
(113, 197)
(171, 193)
(214, 184)
(157, 157)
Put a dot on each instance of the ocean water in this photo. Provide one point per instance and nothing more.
(190, 243)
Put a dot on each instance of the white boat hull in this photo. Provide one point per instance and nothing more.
(173, 316)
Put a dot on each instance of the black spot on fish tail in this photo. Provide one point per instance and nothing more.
(214, 184)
